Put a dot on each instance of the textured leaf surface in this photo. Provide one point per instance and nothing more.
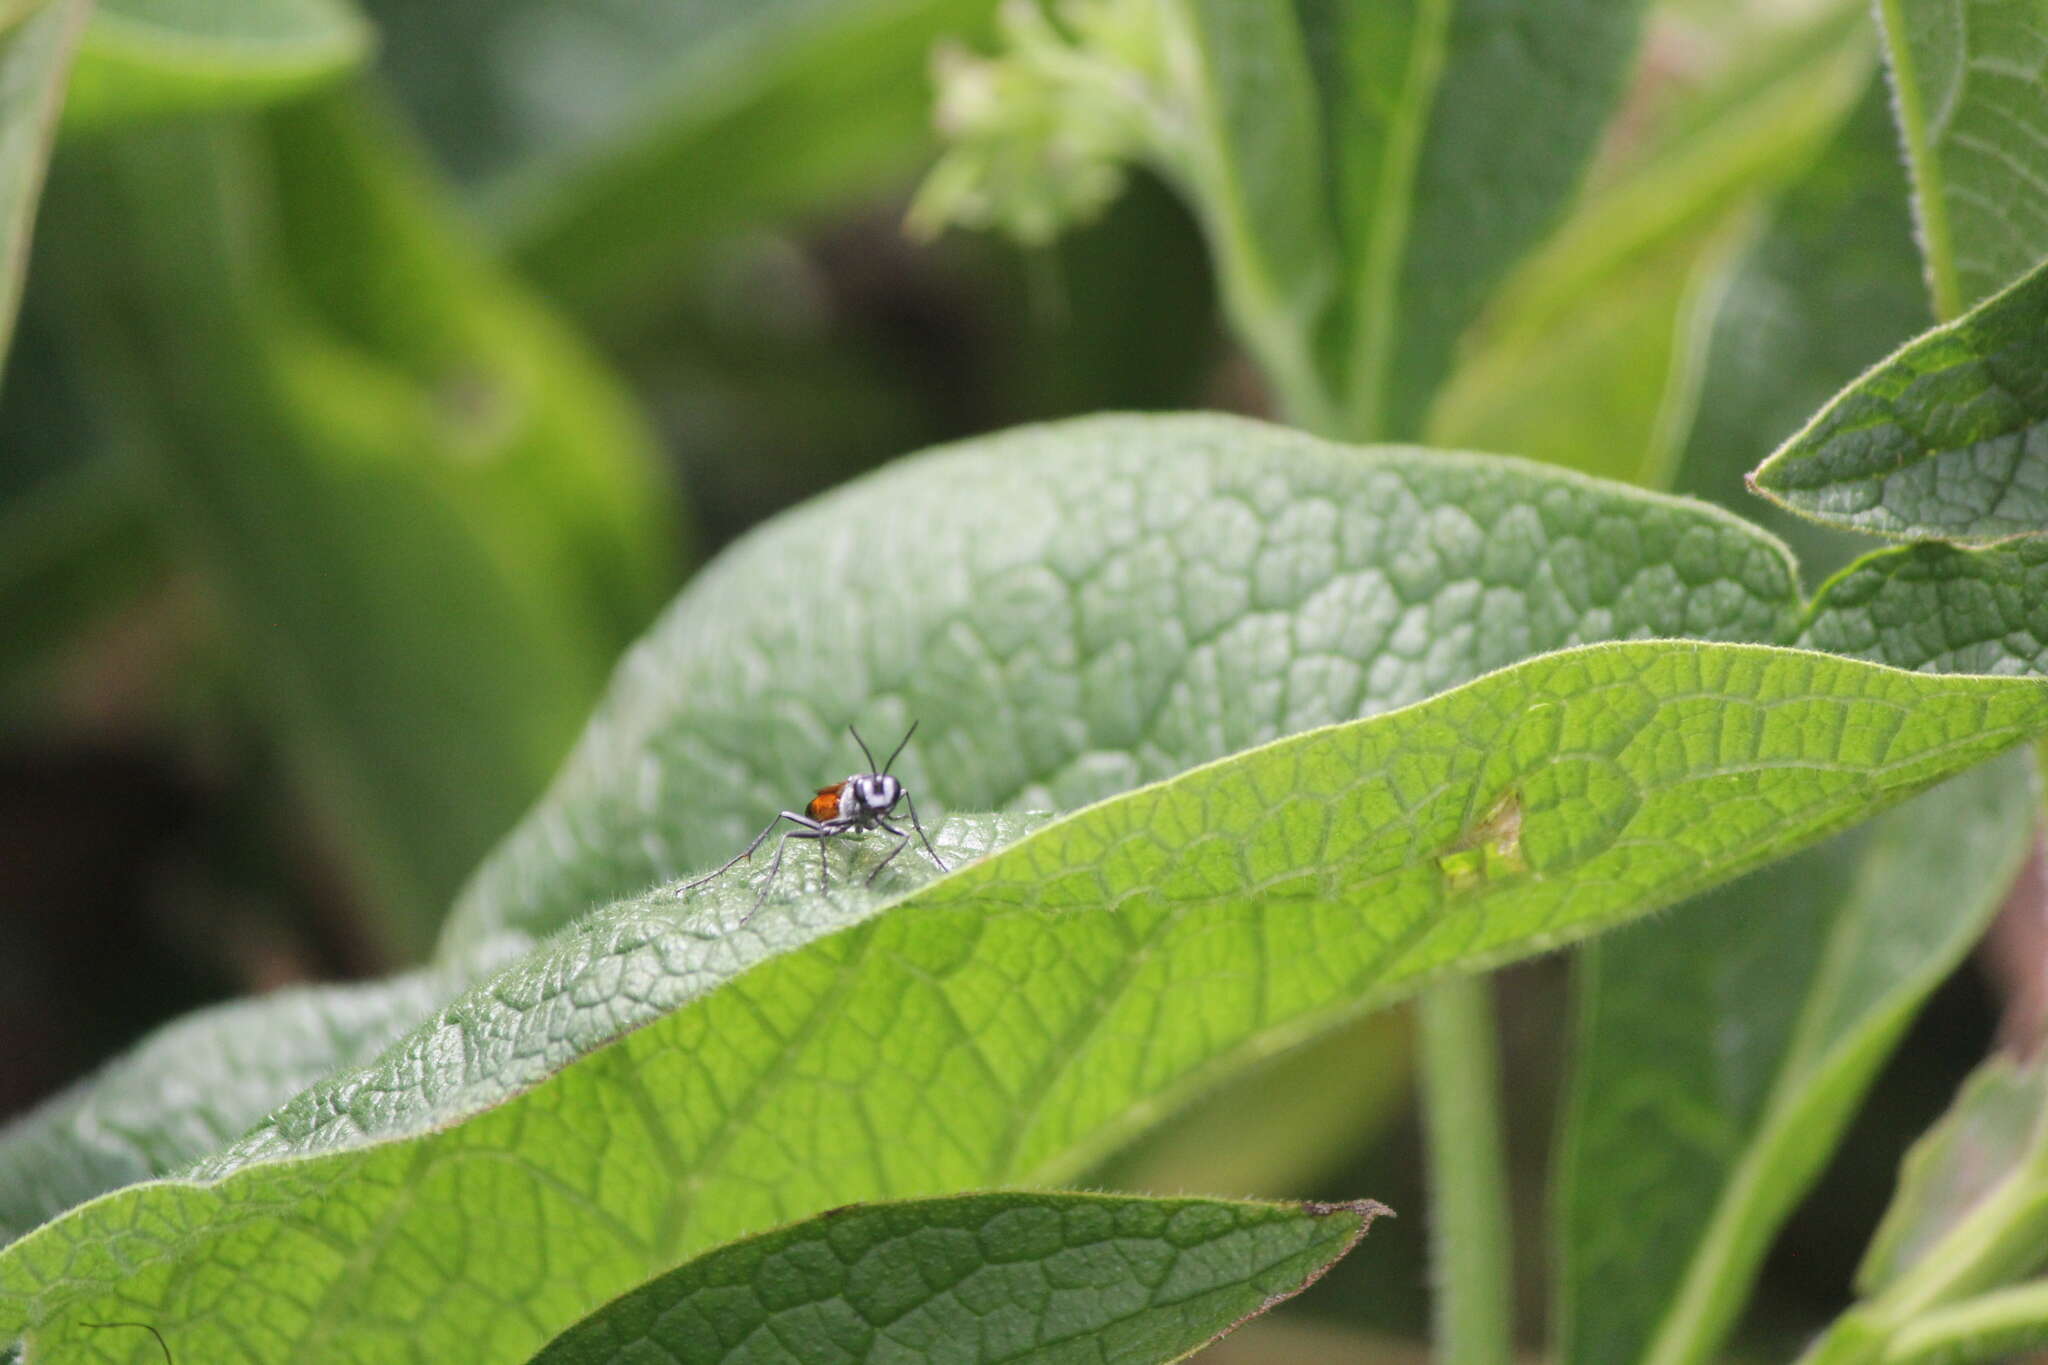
(1090, 605)
(356, 446)
(1003, 1023)
(987, 1277)
(151, 58)
(1948, 437)
(1097, 611)
(1941, 608)
(1970, 80)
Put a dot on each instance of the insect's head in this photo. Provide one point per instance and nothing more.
(877, 791)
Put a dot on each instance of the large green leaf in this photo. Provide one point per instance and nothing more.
(1059, 645)
(1943, 438)
(998, 1024)
(1972, 106)
(983, 1277)
(430, 515)
(152, 58)
(1093, 604)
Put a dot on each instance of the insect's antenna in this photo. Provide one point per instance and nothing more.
(899, 746)
(864, 751)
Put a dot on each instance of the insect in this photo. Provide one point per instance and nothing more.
(864, 801)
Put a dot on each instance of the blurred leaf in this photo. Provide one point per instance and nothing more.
(1685, 1157)
(982, 1277)
(1968, 77)
(1365, 173)
(610, 141)
(153, 58)
(194, 1086)
(431, 517)
(1999, 1326)
(1091, 605)
(1940, 438)
(1279, 1128)
(1459, 132)
(1996, 1125)
(36, 53)
(992, 1025)
(1825, 291)
(1592, 353)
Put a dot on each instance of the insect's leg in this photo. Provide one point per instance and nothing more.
(748, 852)
(743, 855)
(902, 842)
(920, 833)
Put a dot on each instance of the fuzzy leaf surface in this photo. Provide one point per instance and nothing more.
(1948, 437)
(983, 1277)
(1001, 1024)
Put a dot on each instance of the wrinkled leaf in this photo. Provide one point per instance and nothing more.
(432, 519)
(1941, 608)
(156, 58)
(984, 1277)
(993, 1025)
(1968, 76)
(1947, 437)
(1058, 645)
(1093, 604)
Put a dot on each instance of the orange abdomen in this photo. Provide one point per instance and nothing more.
(825, 805)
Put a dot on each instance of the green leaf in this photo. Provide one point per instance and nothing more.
(364, 420)
(1447, 176)
(1971, 106)
(1366, 174)
(2001, 1325)
(1994, 1126)
(1094, 604)
(1940, 439)
(1707, 1140)
(1012, 1277)
(1594, 353)
(155, 58)
(193, 1087)
(1058, 646)
(669, 1075)
(1941, 608)
(609, 143)
(35, 59)
(1827, 289)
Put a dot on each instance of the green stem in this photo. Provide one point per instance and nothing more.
(1470, 1239)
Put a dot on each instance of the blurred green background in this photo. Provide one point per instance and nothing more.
(379, 374)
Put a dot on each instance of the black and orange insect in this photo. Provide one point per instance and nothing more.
(863, 801)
